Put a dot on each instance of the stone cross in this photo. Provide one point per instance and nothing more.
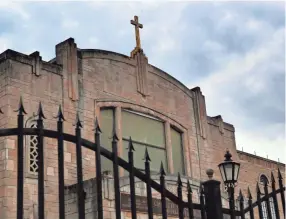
(137, 25)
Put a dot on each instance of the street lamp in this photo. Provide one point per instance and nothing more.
(229, 171)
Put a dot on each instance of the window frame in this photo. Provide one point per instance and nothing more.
(182, 147)
(114, 123)
(28, 173)
(262, 178)
(165, 149)
(168, 124)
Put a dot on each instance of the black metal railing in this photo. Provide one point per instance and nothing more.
(269, 213)
(209, 194)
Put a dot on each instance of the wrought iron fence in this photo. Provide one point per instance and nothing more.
(209, 205)
(269, 213)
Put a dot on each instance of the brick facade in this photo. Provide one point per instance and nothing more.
(84, 80)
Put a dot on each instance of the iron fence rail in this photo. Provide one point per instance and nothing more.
(209, 194)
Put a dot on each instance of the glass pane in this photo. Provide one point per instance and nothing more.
(106, 125)
(177, 151)
(156, 155)
(143, 129)
(236, 171)
(272, 208)
(228, 171)
(222, 172)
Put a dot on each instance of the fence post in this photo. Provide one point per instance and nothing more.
(212, 197)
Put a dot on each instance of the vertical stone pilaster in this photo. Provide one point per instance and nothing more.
(66, 55)
(200, 112)
(37, 63)
(141, 72)
(220, 124)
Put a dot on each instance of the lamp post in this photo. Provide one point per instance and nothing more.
(229, 171)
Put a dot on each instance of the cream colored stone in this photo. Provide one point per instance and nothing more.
(10, 143)
(9, 165)
(50, 171)
(67, 157)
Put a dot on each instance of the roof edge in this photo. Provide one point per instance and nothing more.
(260, 158)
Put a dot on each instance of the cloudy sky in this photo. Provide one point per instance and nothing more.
(235, 51)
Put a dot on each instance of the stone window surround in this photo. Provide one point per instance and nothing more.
(263, 177)
(168, 122)
(28, 124)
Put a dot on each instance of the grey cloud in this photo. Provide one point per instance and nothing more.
(271, 12)
(235, 38)
(190, 61)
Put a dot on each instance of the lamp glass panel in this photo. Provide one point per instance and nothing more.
(228, 170)
(221, 169)
(236, 171)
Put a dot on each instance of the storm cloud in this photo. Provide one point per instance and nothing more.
(235, 51)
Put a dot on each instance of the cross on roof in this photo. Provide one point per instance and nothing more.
(137, 25)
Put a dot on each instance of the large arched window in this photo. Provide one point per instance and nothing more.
(264, 180)
(146, 132)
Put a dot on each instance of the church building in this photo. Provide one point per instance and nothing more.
(124, 93)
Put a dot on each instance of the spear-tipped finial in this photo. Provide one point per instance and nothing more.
(60, 115)
(249, 193)
(114, 135)
(40, 112)
(279, 175)
(179, 180)
(258, 189)
(96, 125)
(201, 189)
(146, 156)
(130, 145)
(227, 156)
(272, 178)
(162, 171)
(21, 108)
(78, 122)
(189, 187)
(240, 196)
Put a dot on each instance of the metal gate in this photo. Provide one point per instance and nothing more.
(210, 206)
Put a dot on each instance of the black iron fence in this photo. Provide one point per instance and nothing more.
(269, 201)
(209, 205)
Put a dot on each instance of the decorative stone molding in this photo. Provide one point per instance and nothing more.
(66, 55)
(219, 122)
(36, 63)
(31, 150)
(200, 111)
(111, 102)
(34, 60)
(141, 72)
